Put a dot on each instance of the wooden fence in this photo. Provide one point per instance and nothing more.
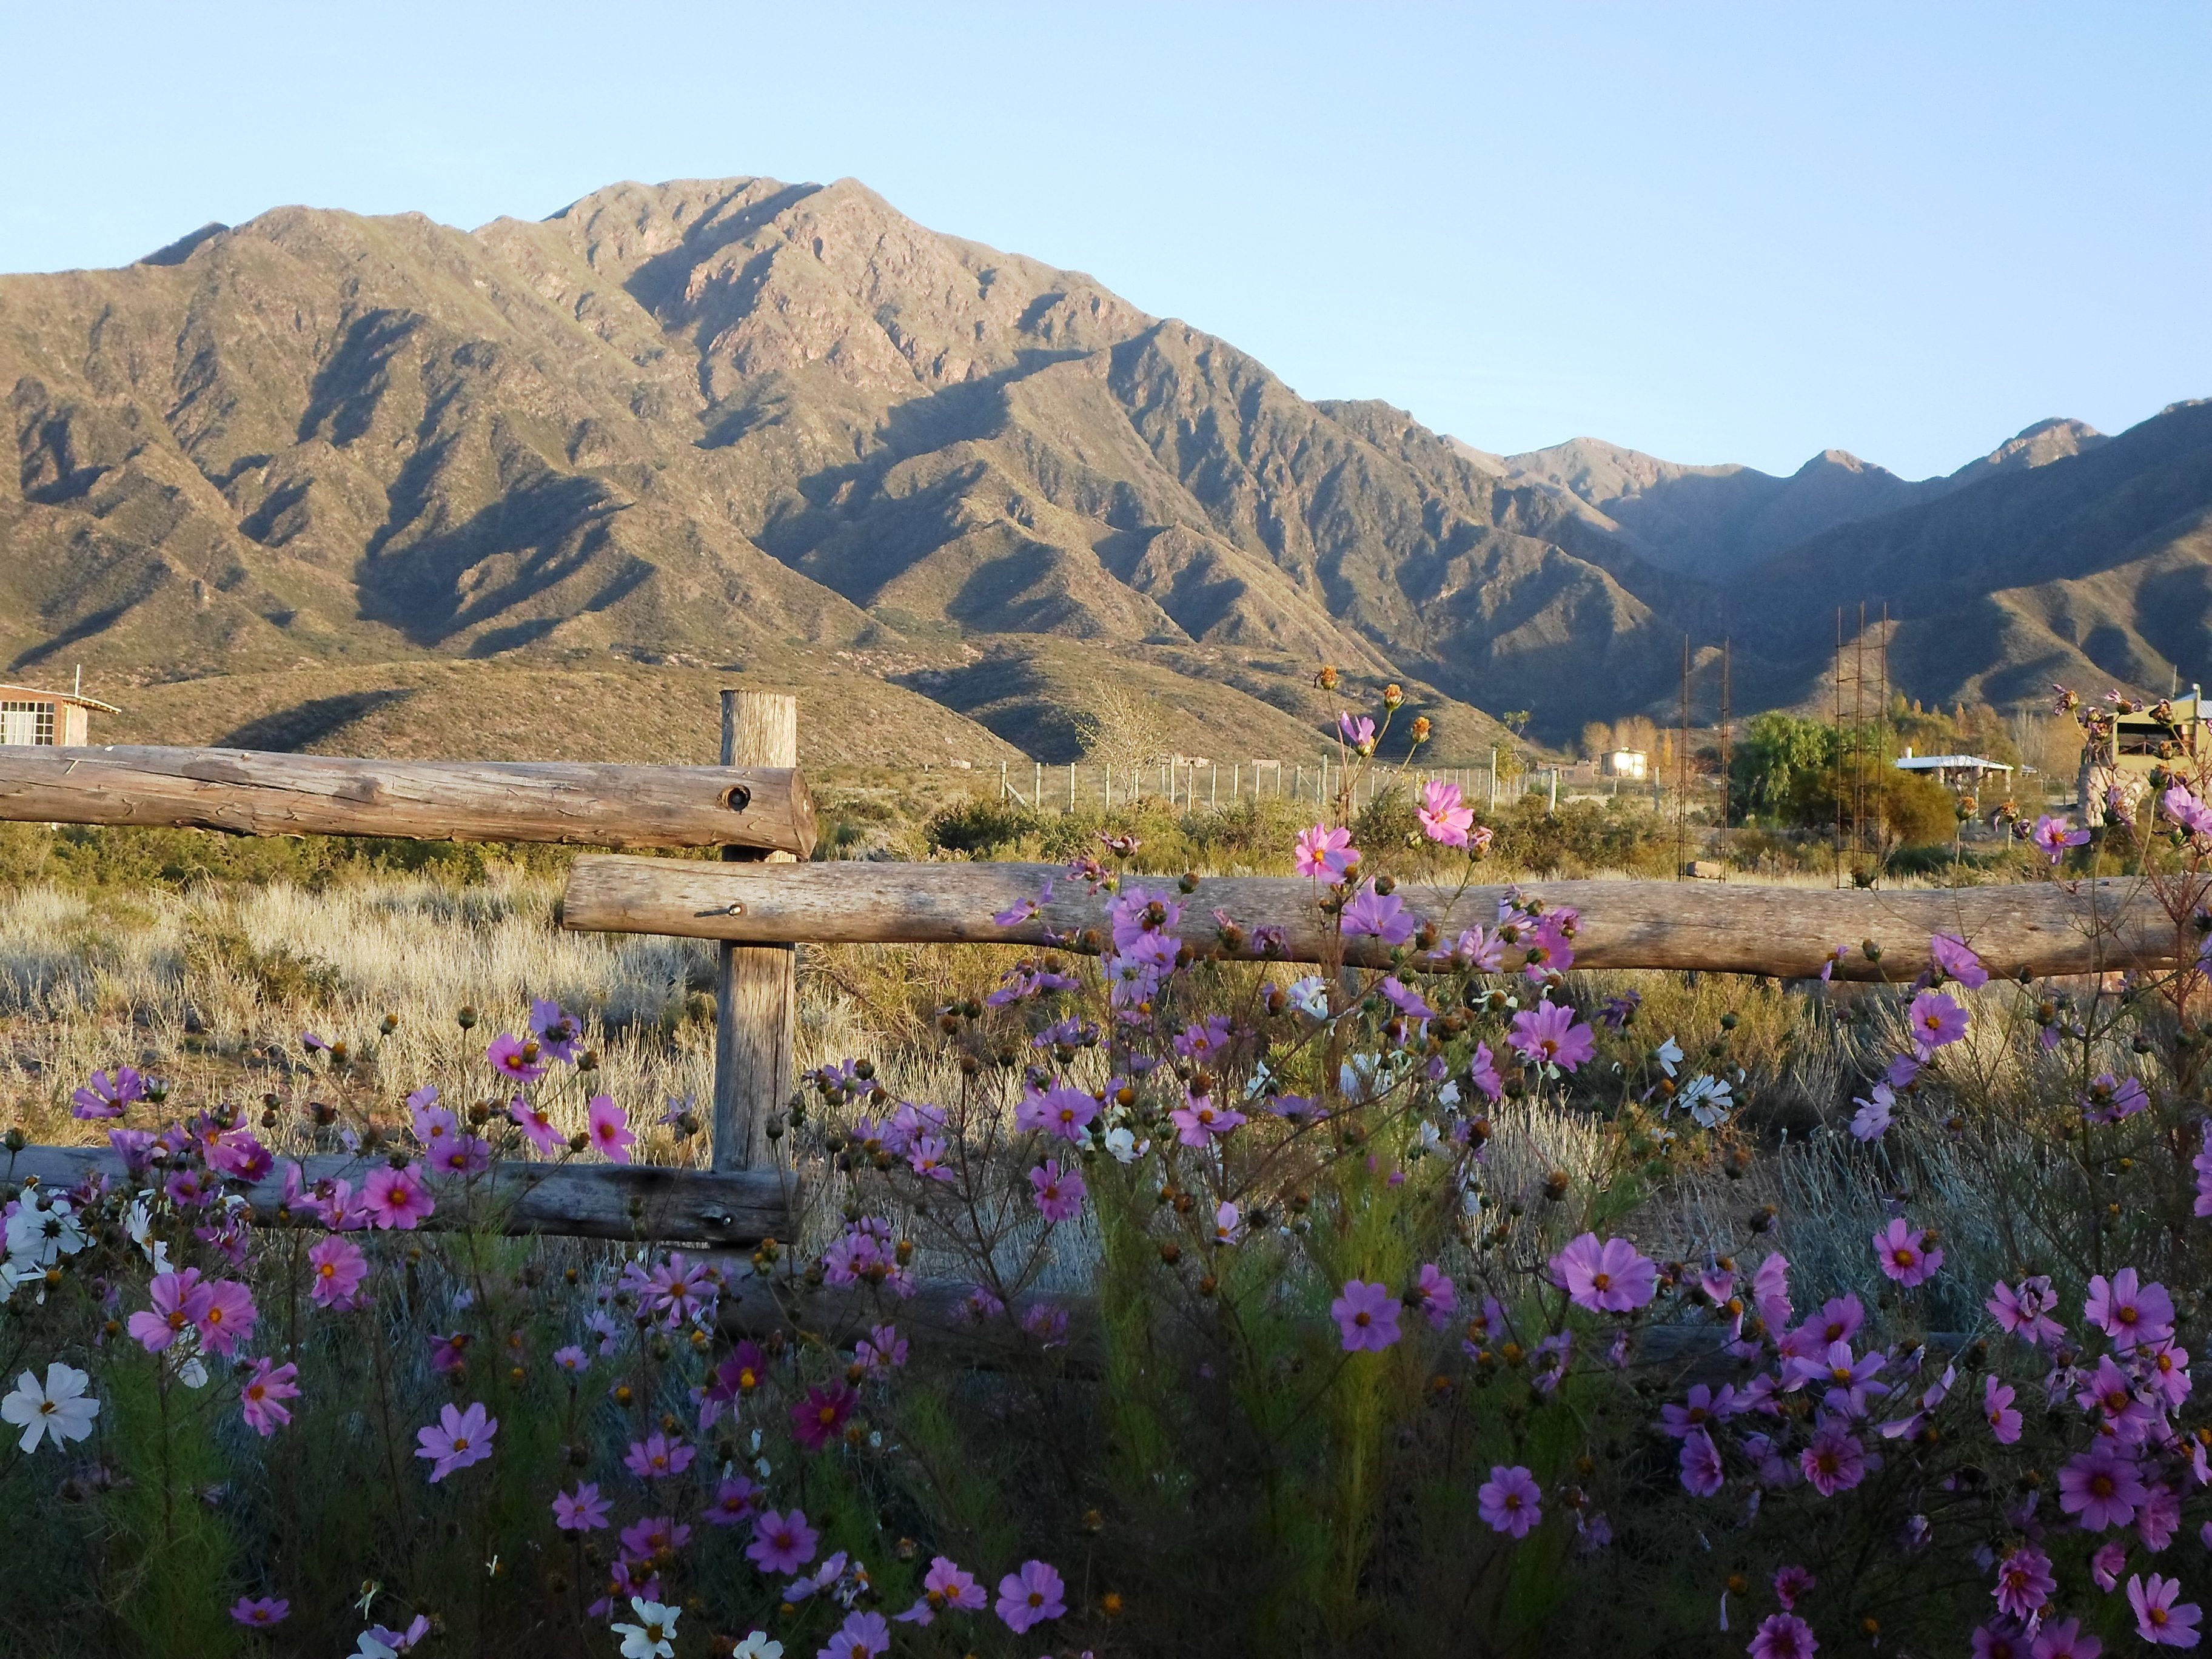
(761, 901)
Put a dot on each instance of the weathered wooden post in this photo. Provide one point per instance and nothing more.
(756, 987)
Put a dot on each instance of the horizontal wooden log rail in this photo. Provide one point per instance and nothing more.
(2040, 928)
(247, 792)
(722, 1208)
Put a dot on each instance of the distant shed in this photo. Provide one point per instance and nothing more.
(31, 715)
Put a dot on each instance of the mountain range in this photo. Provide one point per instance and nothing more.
(379, 484)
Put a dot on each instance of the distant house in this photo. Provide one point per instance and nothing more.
(2168, 734)
(1627, 764)
(29, 715)
(1957, 772)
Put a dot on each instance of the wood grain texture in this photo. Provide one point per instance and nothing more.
(248, 793)
(2036, 927)
(757, 985)
(582, 1201)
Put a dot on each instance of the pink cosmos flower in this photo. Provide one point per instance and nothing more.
(456, 1440)
(515, 1058)
(946, 1585)
(1905, 1253)
(2024, 1582)
(1998, 1406)
(2159, 1518)
(582, 1511)
(1614, 1277)
(2103, 1487)
(657, 1456)
(179, 1301)
(882, 1349)
(1059, 1191)
(1874, 1114)
(2160, 1619)
(107, 1096)
(537, 1125)
(2054, 835)
(2166, 1369)
(1510, 1501)
(1202, 1120)
(2026, 1311)
(1366, 1315)
(820, 1418)
(609, 1128)
(2111, 1392)
(338, 1266)
(1999, 1639)
(2111, 1098)
(260, 1614)
(1702, 1475)
(1436, 1296)
(1030, 1597)
(862, 1636)
(260, 1398)
(2202, 1163)
(735, 1499)
(1482, 1073)
(1548, 1035)
(1359, 731)
(2065, 1640)
(1063, 1109)
(1444, 819)
(1326, 855)
(781, 1543)
(1482, 952)
(229, 1318)
(1700, 1407)
(396, 1198)
(1783, 1636)
(1952, 956)
(641, 1540)
(2129, 1311)
(1834, 1461)
(1378, 916)
(1937, 1021)
(2106, 1565)
(1790, 1584)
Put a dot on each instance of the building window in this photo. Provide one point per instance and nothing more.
(27, 723)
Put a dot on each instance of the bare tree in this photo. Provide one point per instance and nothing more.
(1122, 727)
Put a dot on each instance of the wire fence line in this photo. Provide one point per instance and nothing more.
(1078, 787)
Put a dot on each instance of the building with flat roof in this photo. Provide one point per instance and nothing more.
(30, 715)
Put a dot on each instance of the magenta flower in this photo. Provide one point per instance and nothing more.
(1030, 1597)
(1937, 1021)
(1062, 1109)
(1326, 855)
(1059, 1191)
(1614, 1277)
(1957, 961)
(537, 1125)
(1444, 819)
(641, 1540)
(657, 1456)
(1377, 915)
(2111, 1391)
(1510, 1501)
(2054, 835)
(2160, 1619)
(1702, 1475)
(820, 1418)
(1905, 1253)
(862, 1636)
(583, 1510)
(2064, 1640)
(260, 1614)
(1998, 1406)
(1482, 1073)
(1790, 1584)
(2026, 1311)
(338, 1268)
(609, 1128)
(560, 1033)
(946, 1585)
(2128, 1310)
(2103, 1487)
(1359, 731)
(1202, 1120)
(227, 1319)
(108, 1096)
(1834, 1461)
(260, 1398)
(2024, 1582)
(735, 1499)
(2111, 1098)
(1366, 1315)
(396, 1198)
(1548, 1035)
(1783, 1636)
(179, 1301)
(515, 1057)
(2106, 1565)
(456, 1440)
(1436, 1296)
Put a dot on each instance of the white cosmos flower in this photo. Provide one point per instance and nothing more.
(1309, 996)
(651, 1637)
(1668, 1054)
(43, 1231)
(193, 1372)
(59, 1409)
(1707, 1100)
(1125, 1146)
(758, 1645)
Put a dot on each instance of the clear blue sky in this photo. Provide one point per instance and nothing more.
(1714, 232)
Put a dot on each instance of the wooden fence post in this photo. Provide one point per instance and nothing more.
(756, 989)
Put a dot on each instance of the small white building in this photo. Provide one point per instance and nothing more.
(31, 716)
(1953, 772)
(1627, 764)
